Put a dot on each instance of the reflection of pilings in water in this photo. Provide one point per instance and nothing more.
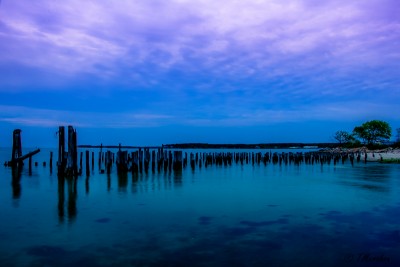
(16, 181)
(135, 179)
(122, 181)
(72, 196)
(87, 185)
(61, 198)
(71, 201)
(178, 177)
(108, 182)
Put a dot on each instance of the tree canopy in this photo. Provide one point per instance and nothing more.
(343, 137)
(372, 132)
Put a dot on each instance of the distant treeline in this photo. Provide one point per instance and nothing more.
(251, 146)
(219, 146)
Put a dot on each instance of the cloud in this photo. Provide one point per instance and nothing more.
(27, 116)
(203, 62)
(78, 37)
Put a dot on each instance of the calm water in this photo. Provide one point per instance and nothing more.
(217, 216)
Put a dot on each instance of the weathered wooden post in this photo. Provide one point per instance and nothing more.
(146, 159)
(158, 156)
(100, 155)
(192, 161)
(30, 165)
(92, 160)
(135, 162)
(51, 161)
(165, 157)
(108, 161)
(61, 150)
(80, 163)
(201, 160)
(17, 146)
(185, 160)
(170, 161)
(177, 165)
(153, 161)
(87, 163)
(72, 161)
(140, 160)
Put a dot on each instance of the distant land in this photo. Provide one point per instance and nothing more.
(227, 146)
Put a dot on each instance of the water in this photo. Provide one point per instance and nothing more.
(247, 215)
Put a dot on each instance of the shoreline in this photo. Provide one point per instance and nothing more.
(378, 155)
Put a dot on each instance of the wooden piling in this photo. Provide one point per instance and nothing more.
(80, 163)
(140, 160)
(30, 165)
(87, 164)
(177, 162)
(108, 161)
(17, 146)
(135, 162)
(92, 160)
(72, 159)
(61, 150)
(153, 161)
(146, 160)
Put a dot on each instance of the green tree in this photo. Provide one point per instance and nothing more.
(372, 132)
(343, 137)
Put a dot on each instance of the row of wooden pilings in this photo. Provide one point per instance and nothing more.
(144, 159)
(141, 160)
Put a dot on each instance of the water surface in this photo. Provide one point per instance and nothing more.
(239, 215)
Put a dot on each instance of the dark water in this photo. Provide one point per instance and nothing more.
(216, 216)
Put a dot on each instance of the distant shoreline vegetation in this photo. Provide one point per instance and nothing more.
(228, 146)
(251, 146)
(277, 146)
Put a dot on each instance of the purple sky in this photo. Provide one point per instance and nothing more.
(148, 72)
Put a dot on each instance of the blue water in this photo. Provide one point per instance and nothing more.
(239, 215)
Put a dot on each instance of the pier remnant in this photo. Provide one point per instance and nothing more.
(67, 161)
(17, 159)
(17, 145)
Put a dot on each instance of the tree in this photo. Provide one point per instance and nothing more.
(343, 137)
(372, 132)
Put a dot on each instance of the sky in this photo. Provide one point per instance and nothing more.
(152, 72)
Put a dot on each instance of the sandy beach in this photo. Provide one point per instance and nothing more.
(386, 155)
(390, 154)
(379, 155)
